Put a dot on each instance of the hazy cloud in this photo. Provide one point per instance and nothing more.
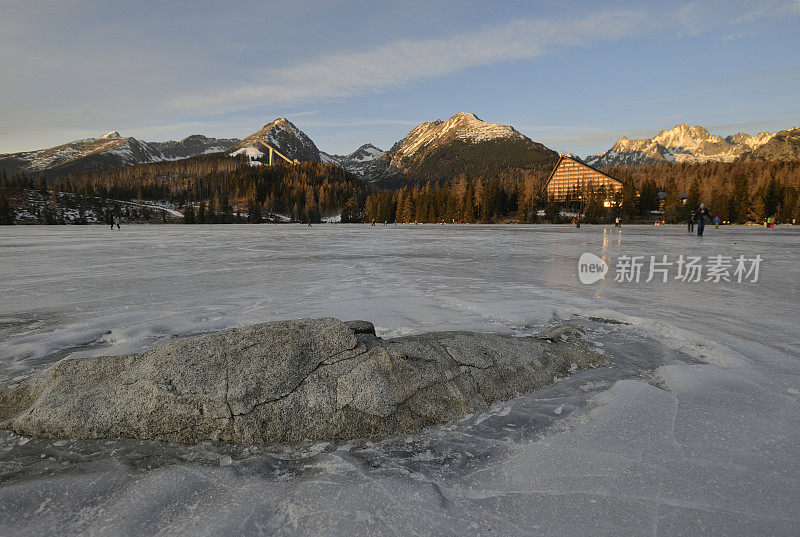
(699, 16)
(403, 62)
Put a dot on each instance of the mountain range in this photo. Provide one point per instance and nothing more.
(687, 143)
(108, 151)
(432, 151)
(289, 140)
(360, 162)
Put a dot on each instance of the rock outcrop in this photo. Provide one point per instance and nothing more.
(287, 381)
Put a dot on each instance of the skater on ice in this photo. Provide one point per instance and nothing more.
(701, 215)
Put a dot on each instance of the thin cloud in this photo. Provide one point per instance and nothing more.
(768, 8)
(694, 18)
(404, 62)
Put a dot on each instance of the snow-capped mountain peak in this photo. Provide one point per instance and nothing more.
(284, 136)
(464, 126)
(366, 152)
(358, 162)
(112, 134)
(462, 144)
(688, 138)
(470, 127)
(751, 142)
(682, 143)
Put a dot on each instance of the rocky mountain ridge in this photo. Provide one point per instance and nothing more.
(682, 143)
(358, 162)
(109, 151)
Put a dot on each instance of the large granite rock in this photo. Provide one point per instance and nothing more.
(287, 381)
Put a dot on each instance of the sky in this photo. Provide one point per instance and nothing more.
(575, 76)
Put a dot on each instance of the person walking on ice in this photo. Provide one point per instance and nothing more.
(700, 216)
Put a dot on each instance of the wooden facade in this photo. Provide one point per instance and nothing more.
(572, 179)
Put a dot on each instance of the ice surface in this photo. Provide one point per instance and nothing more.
(695, 429)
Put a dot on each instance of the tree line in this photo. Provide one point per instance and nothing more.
(218, 189)
(735, 191)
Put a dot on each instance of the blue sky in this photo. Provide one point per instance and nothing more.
(573, 75)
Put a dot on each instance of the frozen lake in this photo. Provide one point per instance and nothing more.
(694, 430)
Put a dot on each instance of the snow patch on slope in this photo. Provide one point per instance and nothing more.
(251, 152)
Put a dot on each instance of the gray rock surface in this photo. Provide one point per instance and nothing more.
(288, 381)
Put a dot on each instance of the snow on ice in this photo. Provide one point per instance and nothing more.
(693, 431)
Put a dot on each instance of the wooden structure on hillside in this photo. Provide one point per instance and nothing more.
(272, 151)
(572, 180)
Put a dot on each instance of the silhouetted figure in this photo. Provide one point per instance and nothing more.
(700, 216)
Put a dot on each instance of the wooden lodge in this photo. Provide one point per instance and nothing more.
(572, 180)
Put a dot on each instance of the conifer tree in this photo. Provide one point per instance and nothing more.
(188, 214)
(7, 216)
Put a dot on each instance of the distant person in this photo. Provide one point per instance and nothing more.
(717, 221)
(618, 222)
(690, 218)
(110, 220)
(373, 222)
(701, 215)
(116, 221)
